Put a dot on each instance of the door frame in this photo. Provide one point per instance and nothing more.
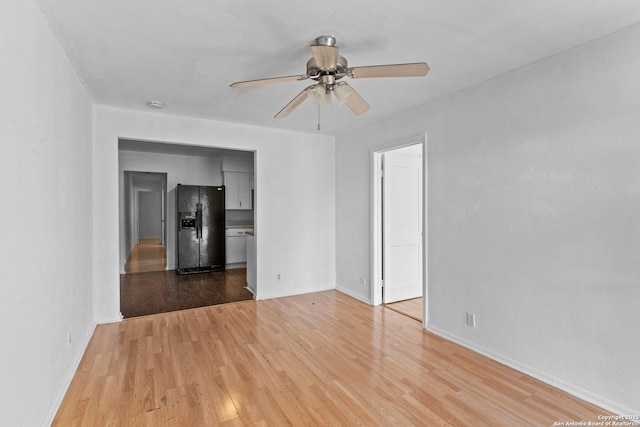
(136, 215)
(376, 219)
(129, 208)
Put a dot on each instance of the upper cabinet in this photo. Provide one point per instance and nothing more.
(238, 187)
(237, 176)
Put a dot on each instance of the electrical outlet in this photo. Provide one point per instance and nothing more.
(471, 319)
(278, 276)
(363, 281)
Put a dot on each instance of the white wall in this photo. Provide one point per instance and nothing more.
(45, 218)
(533, 216)
(188, 170)
(295, 199)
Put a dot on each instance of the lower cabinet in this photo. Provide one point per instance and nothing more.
(236, 242)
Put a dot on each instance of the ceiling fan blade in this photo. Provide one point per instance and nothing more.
(259, 82)
(326, 56)
(354, 101)
(294, 103)
(417, 69)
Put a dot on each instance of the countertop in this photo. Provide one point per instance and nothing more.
(239, 224)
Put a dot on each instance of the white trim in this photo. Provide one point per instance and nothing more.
(163, 213)
(104, 320)
(69, 377)
(353, 295)
(376, 223)
(136, 215)
(570, 388)
(288, 293)
(375, 156)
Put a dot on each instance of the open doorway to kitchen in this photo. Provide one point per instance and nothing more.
(150, 173)
(399, 228)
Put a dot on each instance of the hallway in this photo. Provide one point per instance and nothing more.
(147, 255)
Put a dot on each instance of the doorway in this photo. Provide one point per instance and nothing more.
(161, 291)
(145, 221)
(399, 228)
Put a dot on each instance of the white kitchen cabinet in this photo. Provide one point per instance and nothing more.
(236, 245)
(238, 190)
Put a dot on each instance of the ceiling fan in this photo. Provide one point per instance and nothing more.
(326, 67)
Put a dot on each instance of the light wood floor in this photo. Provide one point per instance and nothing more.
(315, 359)
(147, 255)
(410, 307)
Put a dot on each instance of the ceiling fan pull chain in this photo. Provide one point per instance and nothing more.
(318, 116)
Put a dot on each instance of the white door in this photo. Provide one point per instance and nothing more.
(402, 224)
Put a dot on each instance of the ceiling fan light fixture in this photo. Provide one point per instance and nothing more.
(321, 96)
(341, 93)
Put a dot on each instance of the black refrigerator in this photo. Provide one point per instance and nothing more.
(201, 229)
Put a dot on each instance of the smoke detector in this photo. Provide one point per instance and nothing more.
(158, 105)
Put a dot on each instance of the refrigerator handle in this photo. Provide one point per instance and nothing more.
(199, 221)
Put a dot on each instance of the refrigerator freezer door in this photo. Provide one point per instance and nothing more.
(188, 250)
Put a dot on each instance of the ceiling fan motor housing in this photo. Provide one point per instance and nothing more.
(326, 40)
(314, 72)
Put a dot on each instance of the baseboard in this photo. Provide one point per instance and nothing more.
(69, 377)
(272, 295)
(572, 389)
(235, 266)
(353, 295)
(115, 319)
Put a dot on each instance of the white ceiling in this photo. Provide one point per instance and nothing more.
(187, 52)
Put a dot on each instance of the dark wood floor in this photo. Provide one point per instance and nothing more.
(163, 291)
